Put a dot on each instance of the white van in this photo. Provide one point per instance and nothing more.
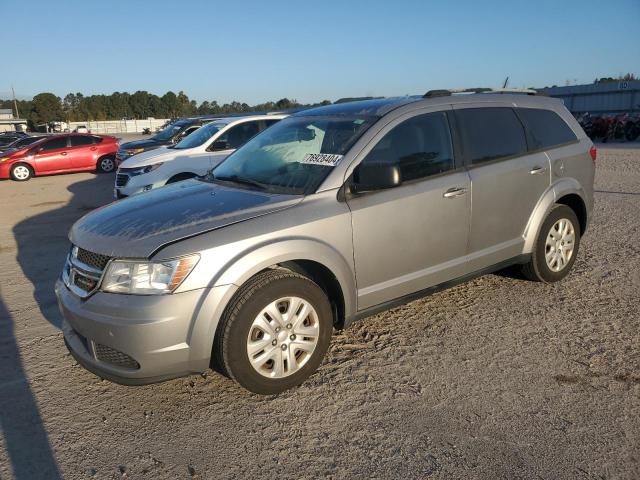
(193, 156)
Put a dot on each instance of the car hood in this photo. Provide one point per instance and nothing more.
(148, 143)
(138, 226)
(149, 157)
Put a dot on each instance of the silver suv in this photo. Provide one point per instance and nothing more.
(331, 215)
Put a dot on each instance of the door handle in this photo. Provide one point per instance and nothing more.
(63, 153)
(454, 192)
(537, 170)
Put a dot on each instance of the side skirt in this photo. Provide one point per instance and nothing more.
(367, 312)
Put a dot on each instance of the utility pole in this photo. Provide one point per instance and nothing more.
(506, 82)
(15, 103)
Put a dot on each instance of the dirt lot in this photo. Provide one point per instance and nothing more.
(497, 378)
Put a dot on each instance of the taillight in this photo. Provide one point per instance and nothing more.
(593, 152)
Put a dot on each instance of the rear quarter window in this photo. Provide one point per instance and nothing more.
(96, 140)
(490, 133)
(546, 128)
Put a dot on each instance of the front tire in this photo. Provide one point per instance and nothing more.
(274, 332)
(21, 172)
(556, 247)
(106, 165)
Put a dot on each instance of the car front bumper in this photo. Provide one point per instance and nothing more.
(136, 339)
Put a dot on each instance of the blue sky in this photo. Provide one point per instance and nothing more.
(254, 51)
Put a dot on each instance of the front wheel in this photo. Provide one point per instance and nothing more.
(274, 332)
(106, 165)
(556, 247)
(21, 172)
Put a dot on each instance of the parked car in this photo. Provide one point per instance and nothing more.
(170, 135)
(20, 142)
(331, 215)
(60, 154)
(193, 156)
(81, 129)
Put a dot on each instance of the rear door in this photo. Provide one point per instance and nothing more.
(53, 155)
(506, 180)
(82, 153)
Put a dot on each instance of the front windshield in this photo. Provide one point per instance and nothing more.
(295, 155)
(168, 133)
(200, 136)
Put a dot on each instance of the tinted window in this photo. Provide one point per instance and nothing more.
(27, 141)
(268, 123)
(80, 141)
(421, 146)
(546, 127)
(96, 139)
(490, 133)
(53, 144)
(239, 135)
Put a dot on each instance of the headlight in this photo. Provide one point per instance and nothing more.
(4, 159)
(147, 278)
(133, 151)
(146, 169)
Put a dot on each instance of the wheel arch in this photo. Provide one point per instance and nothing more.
(566, 191)
(27, 164)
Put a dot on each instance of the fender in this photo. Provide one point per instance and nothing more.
(262, 256)
(560, 188)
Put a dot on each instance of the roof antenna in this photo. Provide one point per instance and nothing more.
(506, 82)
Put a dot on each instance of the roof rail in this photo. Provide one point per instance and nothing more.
(449, 92)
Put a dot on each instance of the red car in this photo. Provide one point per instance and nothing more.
(59, 154)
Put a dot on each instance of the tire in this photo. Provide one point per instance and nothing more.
(539, 269)
(239, 332)
(106, 165)
(179, 178)
(21, 172)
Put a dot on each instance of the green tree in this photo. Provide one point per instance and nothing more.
(46, 107)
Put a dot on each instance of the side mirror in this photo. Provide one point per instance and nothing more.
(220, 145)
(375, 176)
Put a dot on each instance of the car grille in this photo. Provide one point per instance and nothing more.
(121, 180)
(115, 357)
(94, 260)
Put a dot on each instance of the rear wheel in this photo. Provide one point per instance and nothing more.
(556, 247)
(106, 165)
(21, 172)
(275, 332)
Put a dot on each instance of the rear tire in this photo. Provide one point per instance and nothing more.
(556, 247)
(106, 165)
(21, 172)
(274, 332)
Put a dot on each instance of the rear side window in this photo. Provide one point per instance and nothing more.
(96, 140)
(420, 146)
(55, 143)
(80, 141)
(546, 128)
(490, 133)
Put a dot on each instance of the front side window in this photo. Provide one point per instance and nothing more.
(546, 127)
(295, 155)
(200, 136)
(236, 136)
(490, 133)
(81, 141)
(54, 144)
(420, 147)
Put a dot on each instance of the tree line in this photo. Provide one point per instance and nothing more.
(76, 107)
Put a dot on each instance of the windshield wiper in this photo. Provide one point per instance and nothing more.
(243, 181)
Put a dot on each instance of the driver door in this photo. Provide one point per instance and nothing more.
(412, 236)
(53, 155)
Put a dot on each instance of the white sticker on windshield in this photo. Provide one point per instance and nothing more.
(326, 159)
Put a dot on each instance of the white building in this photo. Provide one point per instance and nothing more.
(9, 124)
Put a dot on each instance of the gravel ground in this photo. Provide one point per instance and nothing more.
(496, 378)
